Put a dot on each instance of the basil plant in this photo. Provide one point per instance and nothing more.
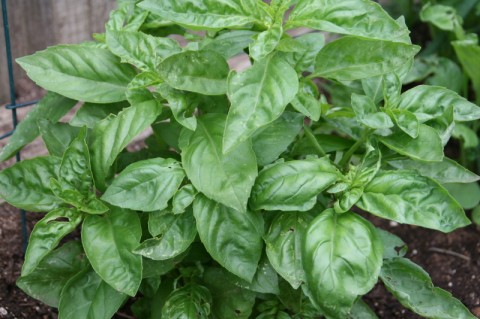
(251, 194)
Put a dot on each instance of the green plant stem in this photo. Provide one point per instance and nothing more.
(348, 155)
(313, 140)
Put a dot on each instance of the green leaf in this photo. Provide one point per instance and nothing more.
(52, 107)
(361, 310)
(393, 246)
(271, 141)
(86, 203)
(204, 72)
(183, 198)
(206, 14)
(352, 58)
(87, 296)
(367, 114)
(259, 96)
(232, 238)
(446, 171)
(109, 240)
(302, 51)
(145, 185)
(342, 257)
(219, 176)
(26, 184)
(429, 102)
(89, 114)
(443, 17)
(265, 280)
(306, 101)
(468, 52)
(57, 136)
(467, 135)
(142, 50)
(348, 17)
(229, 300)
(53, 272)
(189, 302)
(467, 194)
(406, 121)
(412, 286)
(181, 104)
(392, 88)
(292, 185)
(46, 235)
(157, 268)
(111, 136)
(230, 43)
(78, 72)
(426, 147)
(266, 42)
(176, 234)
(283, 246)
(407, 197)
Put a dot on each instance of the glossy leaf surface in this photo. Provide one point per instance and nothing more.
(233, 239)
(189, 302)
(408, 197)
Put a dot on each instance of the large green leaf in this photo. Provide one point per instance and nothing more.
(206, 14)
(233, 239)
(426, 147)
(229, 300)
(412, 286)
(111, 136)
(87, 296)
(82, 73)
(408, 197)
(53, 272)
(446, 171)
(108, 241)
(26, 184)
(89, 114)
(259, 96)
(274, 139)
(46, 235)
(203, 72)
(227, 178)
(356, 17)
(52, 107)
(189, 302)
(283, 246)
(468, 52)
(145, 185)
(429, 102)
(292, 185)
(140, 49)
(352, 58)
(342, 256)
(174, 235)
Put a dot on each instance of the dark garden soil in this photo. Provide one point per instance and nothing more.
(452, 260)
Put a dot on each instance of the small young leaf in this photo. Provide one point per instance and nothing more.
(177, 233)
(52, 107)
(407, 197)
(183, 198)
(347, 17)
(443, 17)
(346, 59)
(46, 235)
(87, 296)
(283, 246)
(189, 302)
(57, 136)
(145, 185)
(266, 42)
(80, 73)
(230, 43)
(180, 104)
(228, 178)
(301, 51)
(26, 184)
(393, 246)
(203, 72)
(108, 241)
(233, 239)
(467, 194)
(412, 286)
(293, 185)
(259, 96)
(53, 272)
(406, 121)
(265, 280)
(361, 310)
(467, 52)
(342, 257)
